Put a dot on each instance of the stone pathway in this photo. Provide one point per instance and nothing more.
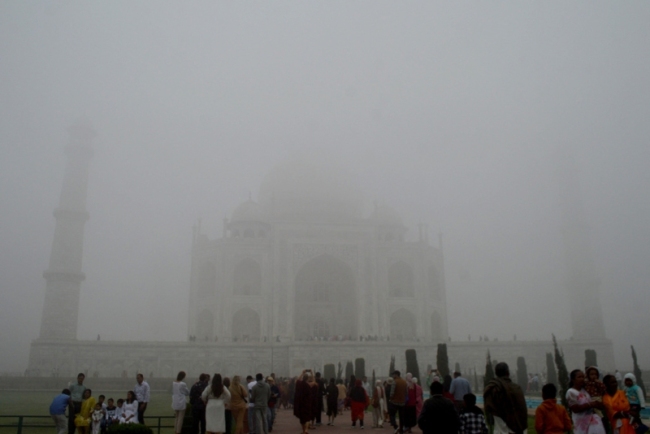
(287, 423)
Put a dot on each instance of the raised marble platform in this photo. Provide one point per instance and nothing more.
(165, 359)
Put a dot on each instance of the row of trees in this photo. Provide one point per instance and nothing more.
(556, 369)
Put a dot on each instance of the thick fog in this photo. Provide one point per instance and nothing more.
(457, 114)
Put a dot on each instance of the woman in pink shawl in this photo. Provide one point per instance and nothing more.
(419, 399)
(410, 416)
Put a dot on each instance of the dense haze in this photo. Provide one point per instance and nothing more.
(455, 113)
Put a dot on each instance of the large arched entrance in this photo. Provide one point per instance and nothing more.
(325, 300)
(246, 325)
(402, 326)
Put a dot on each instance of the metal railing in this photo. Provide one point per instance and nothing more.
(45, 422)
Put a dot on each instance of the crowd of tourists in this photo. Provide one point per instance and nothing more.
(598, 405)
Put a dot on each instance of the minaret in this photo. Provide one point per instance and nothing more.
(64, 276)
(582, 279)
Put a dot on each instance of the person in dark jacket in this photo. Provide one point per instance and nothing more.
(438, 413)
(332, 392)
(198, 406)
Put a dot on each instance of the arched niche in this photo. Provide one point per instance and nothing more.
(246, 325)
(402, 325)
(325, 299)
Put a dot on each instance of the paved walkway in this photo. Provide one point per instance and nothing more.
(286, 422)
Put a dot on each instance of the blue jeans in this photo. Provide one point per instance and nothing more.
(270, 417)
(251, 421)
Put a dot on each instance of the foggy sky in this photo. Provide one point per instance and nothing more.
(451, 112)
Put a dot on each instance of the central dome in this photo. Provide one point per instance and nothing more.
(311, 191)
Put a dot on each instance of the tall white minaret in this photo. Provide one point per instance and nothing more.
(583, 284)
(63, 277)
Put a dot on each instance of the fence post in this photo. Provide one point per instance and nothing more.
(20, 425)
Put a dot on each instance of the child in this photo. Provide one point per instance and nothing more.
(594, 387)
(634, 395)
(119, 411)
(550, 417)
(96, 417)
(472, 420)
(101, 399)
(109, 415)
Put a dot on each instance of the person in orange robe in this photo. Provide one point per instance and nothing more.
(617, 407)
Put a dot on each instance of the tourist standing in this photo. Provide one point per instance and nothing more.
(142, 393)
(179, 393)
(82, 419)
(332, 392)
(636, 399)
(410, 412)
(550, 417)
(239, 405)
(215, 396)
(390, 407)
(250, 382)
(505, 401)
(321, 393)
(459, 388)
(585, 419)
(398, 393)
(472, 419)
(439, 414)
(226, 384)
(273, 402)
(617, 407)
(57, 411)
(260, 395)
(343, 393)
(198, 406)
(76, 398)
(419, 398)
(302, 402)
(378, 404)
(358, 403)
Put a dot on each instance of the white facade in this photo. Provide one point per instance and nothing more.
(298, 280)
(306, 264)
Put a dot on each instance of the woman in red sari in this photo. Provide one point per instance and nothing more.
(358, 403)
(617, 407)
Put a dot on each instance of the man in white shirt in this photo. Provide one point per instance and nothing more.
(142, 392)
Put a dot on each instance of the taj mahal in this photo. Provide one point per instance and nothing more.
(300, 277)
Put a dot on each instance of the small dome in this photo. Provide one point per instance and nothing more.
(248, 211)
(386, 216)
